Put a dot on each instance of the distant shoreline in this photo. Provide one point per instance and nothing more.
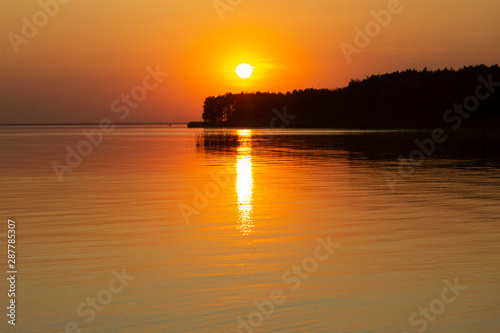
(478, 125)
(222, 125)
(93, 124)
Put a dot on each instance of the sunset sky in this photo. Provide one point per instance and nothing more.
(91, 52)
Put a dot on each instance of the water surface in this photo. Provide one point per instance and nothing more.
(122, 208)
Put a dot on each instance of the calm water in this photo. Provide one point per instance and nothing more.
(122, 208)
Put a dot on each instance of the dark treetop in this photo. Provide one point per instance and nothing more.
(409, 99)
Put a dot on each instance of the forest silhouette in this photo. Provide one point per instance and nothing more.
(407, 99)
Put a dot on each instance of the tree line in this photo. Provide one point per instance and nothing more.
(408, 98)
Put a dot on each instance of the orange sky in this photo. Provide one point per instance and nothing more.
(91, 52)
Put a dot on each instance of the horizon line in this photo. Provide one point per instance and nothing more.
(92, 124)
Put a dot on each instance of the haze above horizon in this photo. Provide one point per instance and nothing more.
(156, 62)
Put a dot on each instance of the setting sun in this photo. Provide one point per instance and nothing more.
(244, 71)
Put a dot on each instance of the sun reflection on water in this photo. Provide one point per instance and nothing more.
(244, 183)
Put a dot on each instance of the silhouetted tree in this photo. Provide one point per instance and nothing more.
(409, 98)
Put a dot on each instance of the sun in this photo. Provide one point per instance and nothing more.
(244, 71)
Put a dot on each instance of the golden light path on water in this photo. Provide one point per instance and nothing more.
(120, 211)
(244, 183)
